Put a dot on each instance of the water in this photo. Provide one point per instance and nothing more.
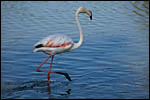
(112, 63)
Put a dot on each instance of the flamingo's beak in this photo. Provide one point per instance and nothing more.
(90, 17)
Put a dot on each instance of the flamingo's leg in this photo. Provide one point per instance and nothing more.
(50, 68)
(62, 73)
(38, 69)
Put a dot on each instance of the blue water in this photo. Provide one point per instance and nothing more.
(112, 63)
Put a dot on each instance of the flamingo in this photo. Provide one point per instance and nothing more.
(56, 44)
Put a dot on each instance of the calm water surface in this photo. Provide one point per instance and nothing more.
(112, 62)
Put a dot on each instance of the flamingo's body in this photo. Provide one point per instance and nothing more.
(55, 44)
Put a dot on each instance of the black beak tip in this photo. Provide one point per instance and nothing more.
(90, 17)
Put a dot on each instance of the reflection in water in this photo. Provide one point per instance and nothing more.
(142, 10)
(11, 88)
(144, 7)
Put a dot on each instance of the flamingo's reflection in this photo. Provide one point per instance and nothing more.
(56, 87)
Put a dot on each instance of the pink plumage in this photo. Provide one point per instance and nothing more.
(54, 44)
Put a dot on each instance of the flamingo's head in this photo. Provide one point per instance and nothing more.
(84, 10)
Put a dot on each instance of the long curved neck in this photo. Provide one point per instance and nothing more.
(77, 45)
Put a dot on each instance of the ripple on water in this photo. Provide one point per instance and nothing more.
(111, 63)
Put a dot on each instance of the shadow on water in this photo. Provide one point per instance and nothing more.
(14, 89)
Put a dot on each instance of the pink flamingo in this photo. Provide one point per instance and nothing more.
(56, 44)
